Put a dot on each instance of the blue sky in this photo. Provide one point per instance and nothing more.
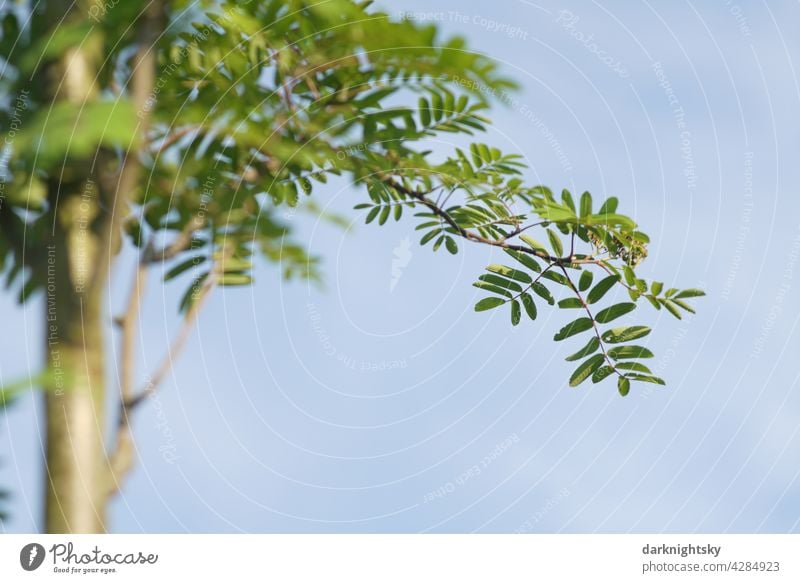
(383, 403)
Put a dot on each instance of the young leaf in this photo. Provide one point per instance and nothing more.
(586, 204)
(586, 368)
(647, 379)
(614, 312)
(576, 327)
(689, 293)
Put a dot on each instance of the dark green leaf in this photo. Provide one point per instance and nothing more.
(570, 303)
(543, 293)
(488, 304)
(585, 281)
(525, 259)
(516, 312)
(614, 312)
(590, 347)
(586, 368)
(602, 373)
(529, 305)
(601, 287)
(576, 327)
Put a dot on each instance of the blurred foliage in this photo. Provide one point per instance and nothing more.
(257, 105)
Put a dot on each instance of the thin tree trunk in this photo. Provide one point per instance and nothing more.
(76, 466)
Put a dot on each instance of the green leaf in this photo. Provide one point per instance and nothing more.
(586, 204)
(534, 244)
(586, 368)
(372, 214)
(601, 287)
(384, 216)
(683, 305)
(566, 198)
(634, 366)
(555, 243)
(510, 272)
(625, 334)
(585, 280)
(623, 352)
(516, 312)
(570, 303)
(671, 307)
(630, 276)
(602, 373)
(647, 379)
(499, 281)
(623, 386)
(611, 220)
(488, 304)
(529, 305)
(590, 347)
(524, 259)
(656, 287)
(609, 206)
(543, 293)
(492, 288)
(689, 293)
(451, 245)
(614, 312)
(576, 327)
(235, 279)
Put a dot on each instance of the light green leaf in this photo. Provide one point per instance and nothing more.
(623, 386)
(555, 243)
(623, 352)
(509, 272)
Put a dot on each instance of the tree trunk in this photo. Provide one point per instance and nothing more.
(76, 463)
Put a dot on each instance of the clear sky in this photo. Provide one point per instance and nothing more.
(383, 403)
